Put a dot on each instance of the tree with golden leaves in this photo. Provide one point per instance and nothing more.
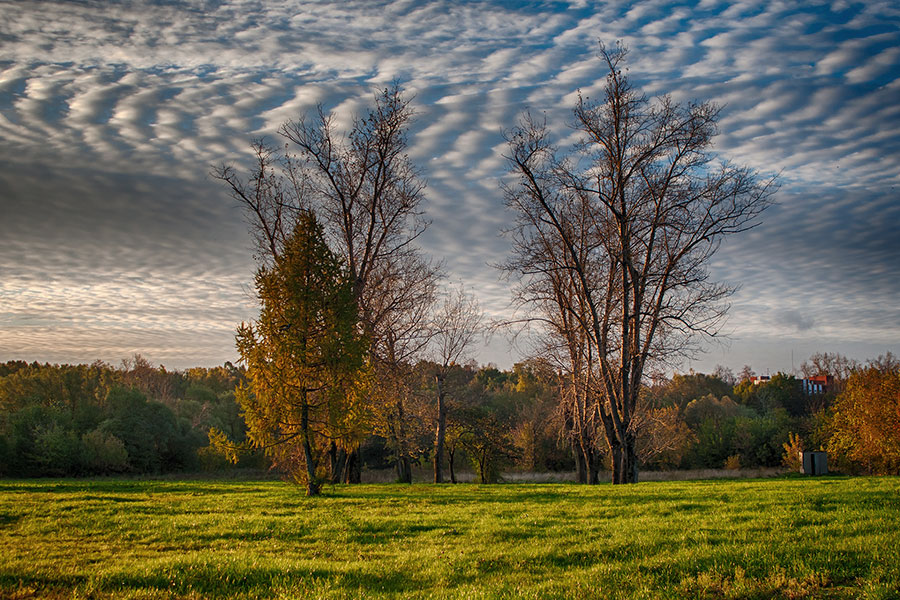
(865, 428)
(304, 355)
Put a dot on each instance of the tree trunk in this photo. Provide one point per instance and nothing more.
(591, 459)
(404, 470)
(482, 467)
(629, 461)
(451, 455)
(312, 486)
(441, 428)
(615, 452)
(625, 464)
(351, 471)
(593, 467)
(337, 463)
(580, 472)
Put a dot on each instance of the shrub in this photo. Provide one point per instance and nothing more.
(733, 462)
(57, 451)
(866, 423)
(104, 453)
(792, 449)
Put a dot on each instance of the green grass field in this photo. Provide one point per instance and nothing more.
(778, 538)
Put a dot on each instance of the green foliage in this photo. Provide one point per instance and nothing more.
(57, 386)
(103, 453)
(76, 420)
(781, 391)
(488, 443)
(788, 538)
(758, 440)
(710, 408)
(150, 432)
(58, 451)
(84, 419)
(682, 389)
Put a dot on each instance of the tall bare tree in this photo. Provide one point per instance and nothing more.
(456, 325)
(366, 191)
(624, 225)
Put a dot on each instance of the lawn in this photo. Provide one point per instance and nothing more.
(790, 538)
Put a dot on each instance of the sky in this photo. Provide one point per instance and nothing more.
(115, 240)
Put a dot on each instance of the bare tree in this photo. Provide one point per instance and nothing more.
(835, 364)
(367, 193)
(456, 325)
(627, 222)
(725, 374)
(747, 373)
(401, 313)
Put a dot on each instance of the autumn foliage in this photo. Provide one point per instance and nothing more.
(865, 434)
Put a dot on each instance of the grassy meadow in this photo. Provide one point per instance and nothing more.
(773, 538)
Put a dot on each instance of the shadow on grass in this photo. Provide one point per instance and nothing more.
(381, 533)
(449, 495)
(216, 581)
(92, 487)
(7, 519)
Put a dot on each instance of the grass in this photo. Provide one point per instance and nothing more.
(773, 538)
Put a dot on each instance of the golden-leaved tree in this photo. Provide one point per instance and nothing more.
(305, 356)
(367, 194)
(865, 429)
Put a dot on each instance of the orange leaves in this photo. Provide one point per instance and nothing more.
(866, 423)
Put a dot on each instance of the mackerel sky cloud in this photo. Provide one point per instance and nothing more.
(115, 240)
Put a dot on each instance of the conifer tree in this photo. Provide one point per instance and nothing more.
(304, 355)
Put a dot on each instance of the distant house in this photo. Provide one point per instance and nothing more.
(817, 384)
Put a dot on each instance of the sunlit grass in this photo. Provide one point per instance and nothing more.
(789, 538)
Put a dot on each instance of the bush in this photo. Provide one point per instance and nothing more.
(104, 453)
(792, 449)
(58, 451)
(5, 457)
(733, 462)
(154, 438)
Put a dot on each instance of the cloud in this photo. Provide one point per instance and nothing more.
(111, 114)
(793, 319)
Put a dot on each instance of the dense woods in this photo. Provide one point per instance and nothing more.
(76, 420)
(63, 420)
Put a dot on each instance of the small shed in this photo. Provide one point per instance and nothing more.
(814, 463)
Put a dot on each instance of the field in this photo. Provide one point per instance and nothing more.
(774, 538)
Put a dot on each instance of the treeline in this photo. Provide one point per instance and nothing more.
(723, 420)
(73, 420)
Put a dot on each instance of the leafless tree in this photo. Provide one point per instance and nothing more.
(725, 374)
(367, 192)
(826, 363)
(747, 373)
(569, 352)
(457, 324)
(626, 222)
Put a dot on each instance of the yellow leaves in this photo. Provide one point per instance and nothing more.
(792, 449)
(220, 442)
(866, 423)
